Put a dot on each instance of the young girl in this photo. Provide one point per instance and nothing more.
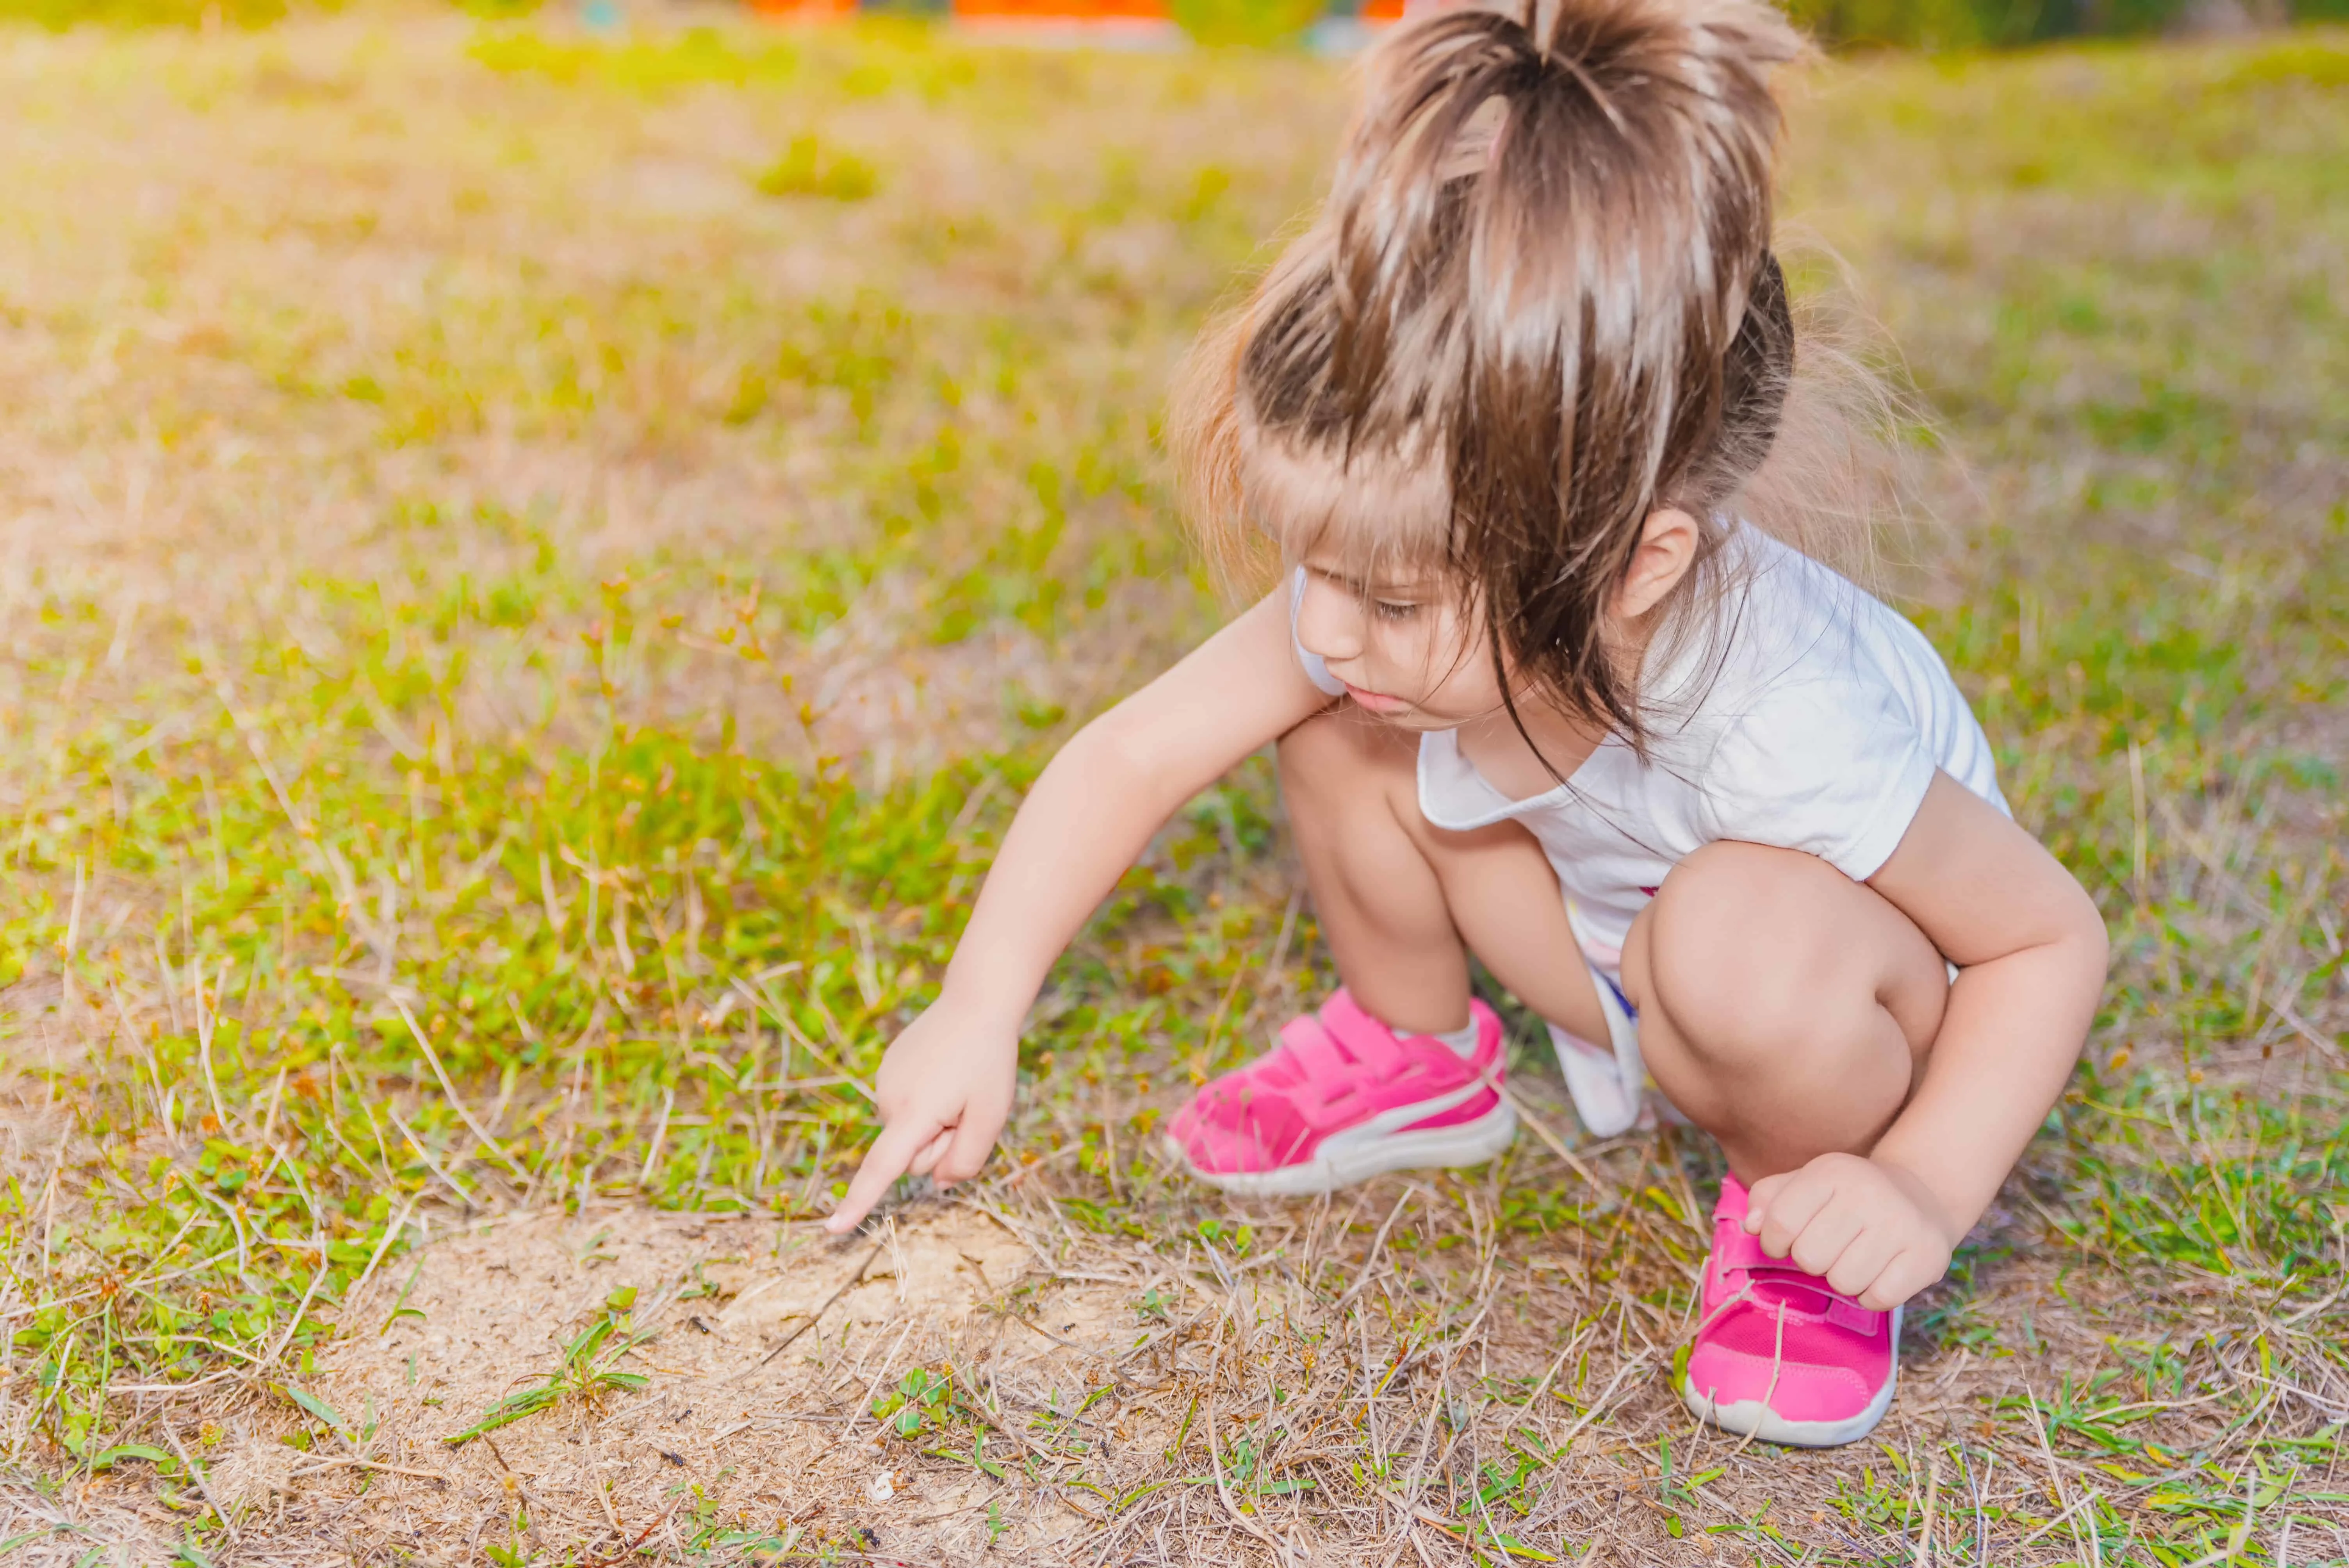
(1540, 695)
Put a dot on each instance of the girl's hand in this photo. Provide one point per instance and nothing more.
(1871, 1230)
(945, 1087)
(944, 1090)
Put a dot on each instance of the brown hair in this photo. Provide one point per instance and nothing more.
(1539, 304)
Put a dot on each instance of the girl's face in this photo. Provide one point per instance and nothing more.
(1406, 637)
(1411, 651)
(1406, 645)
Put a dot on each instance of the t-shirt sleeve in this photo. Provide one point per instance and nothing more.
(1316, 669)
(1834, 768)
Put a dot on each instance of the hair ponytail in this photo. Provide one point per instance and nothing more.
(1545, 268)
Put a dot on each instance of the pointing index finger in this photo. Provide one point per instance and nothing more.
(884, 1163)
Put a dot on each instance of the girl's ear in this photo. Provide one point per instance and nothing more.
(1668, 544)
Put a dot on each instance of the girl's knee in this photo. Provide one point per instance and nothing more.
(1753, 953)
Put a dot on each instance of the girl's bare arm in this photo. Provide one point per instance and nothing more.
(2031, 952)
(945, 1087)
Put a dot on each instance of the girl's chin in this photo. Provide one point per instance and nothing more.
(1410, 719)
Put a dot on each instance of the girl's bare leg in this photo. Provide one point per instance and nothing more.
(1403, 904)
(1784, 1007)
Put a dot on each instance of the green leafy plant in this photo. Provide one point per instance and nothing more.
(515, 1552)
(588, 1367)
(147, 1453)
(334, 1418)
(920, 1400)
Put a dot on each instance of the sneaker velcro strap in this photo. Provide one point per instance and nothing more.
(1846, 1312)
(1321, 1058)
(1363, 1037)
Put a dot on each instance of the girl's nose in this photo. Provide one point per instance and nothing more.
(1329, 622)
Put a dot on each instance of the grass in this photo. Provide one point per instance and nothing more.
(587, 1370)
(535, 569)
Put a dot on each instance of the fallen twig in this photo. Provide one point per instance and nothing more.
(196, 1471)
(789, 1339)
(352, 1461)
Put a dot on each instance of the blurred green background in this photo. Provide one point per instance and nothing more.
(1963, 24)
(1905, 23)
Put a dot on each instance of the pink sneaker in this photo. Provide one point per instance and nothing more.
(1780, 1354)
(1341, 1098)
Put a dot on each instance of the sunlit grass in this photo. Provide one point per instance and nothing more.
(538, 567)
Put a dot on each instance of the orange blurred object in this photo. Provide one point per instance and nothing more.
(1062, 10)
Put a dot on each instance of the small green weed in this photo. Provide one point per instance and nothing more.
(588, 1369)
(921, 1401)
(809, 167)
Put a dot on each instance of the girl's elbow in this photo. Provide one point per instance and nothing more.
(2060, 918)
(2085, 931)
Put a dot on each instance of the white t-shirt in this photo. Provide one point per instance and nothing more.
(1812, 718)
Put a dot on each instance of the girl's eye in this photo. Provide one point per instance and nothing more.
(1386, 610)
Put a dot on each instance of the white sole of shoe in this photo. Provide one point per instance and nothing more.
(1361, 1152)
(1752, 1418)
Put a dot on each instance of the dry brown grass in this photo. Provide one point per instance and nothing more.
(300, 331)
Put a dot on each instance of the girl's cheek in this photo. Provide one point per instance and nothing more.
(1451, 693)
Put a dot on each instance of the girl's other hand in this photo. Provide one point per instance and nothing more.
(1871, 1230)
(944, 1090)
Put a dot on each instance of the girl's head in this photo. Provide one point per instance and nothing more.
(1493, 398)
